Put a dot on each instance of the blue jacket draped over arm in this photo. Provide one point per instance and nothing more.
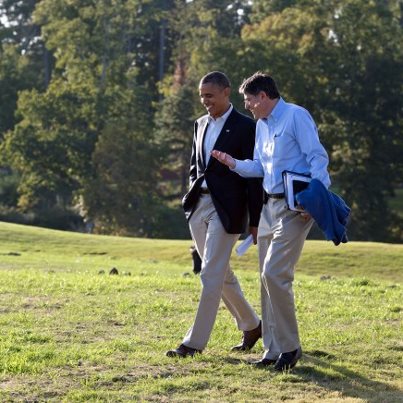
(328, 210)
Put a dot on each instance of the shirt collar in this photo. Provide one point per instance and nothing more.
(222, 117)
(277, 110)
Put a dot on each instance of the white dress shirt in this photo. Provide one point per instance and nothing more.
(213, 131)
(286, 140)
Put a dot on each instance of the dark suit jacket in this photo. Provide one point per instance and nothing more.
(233, 196)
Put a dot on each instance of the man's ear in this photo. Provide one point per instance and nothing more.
(227, 91)
(262, 95)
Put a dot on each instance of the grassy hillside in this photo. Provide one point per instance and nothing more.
(72, 332)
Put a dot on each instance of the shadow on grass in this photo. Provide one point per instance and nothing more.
(338, 378)
(316, 367)
(234, 361)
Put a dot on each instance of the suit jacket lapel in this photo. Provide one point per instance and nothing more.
(201, 132)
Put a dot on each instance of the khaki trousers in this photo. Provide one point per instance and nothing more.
(281, 237)
(214, 244)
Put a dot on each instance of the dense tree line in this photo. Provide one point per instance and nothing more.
(98, 98)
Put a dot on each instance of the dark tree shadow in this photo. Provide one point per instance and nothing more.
(349, 383)
(345, 381)
(317, 367)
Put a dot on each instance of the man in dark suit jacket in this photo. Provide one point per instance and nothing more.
(217, 207)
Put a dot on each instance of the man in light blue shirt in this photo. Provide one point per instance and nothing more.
(286, 139)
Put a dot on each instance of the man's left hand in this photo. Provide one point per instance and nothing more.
(305, 216)
(253, 232)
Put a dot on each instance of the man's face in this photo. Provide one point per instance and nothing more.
(257, 104)
(214, 98)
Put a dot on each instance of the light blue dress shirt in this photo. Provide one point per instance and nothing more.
(287, 140)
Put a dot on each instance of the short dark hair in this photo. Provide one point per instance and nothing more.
(216, 78)
(260, 82)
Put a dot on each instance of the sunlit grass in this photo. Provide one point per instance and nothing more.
(72, 332)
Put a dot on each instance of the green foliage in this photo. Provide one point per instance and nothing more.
(372, 129)
(105, 40)
(262, 8)
(174, 133)
(8, 188)
(121, 194)
(10, 83)
(342, 61)
(24, 61)
(204, 33)
(17, 73)
(94, 94)
(73, 71)
(52, 144)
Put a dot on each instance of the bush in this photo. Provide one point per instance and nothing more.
(55, 217)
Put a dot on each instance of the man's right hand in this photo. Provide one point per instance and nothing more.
(224, 158)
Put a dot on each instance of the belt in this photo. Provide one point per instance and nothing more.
(204, 191)
(268, 196)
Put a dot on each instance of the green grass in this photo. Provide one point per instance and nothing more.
(71, 332)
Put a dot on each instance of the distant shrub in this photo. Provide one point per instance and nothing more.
(11, 214)
(54, 217)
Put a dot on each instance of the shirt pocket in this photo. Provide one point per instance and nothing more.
(284, 146)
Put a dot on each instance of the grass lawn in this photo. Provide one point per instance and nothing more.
(72, 332)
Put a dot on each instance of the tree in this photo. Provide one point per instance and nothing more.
(174, 125)
(205, 36)
(325, 53)
(341, 59)
(100, 51)
(25, 63)
(368, 154)
(120, 197)
(51, 145)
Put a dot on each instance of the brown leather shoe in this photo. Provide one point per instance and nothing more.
(182, 351)
(249, 339)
